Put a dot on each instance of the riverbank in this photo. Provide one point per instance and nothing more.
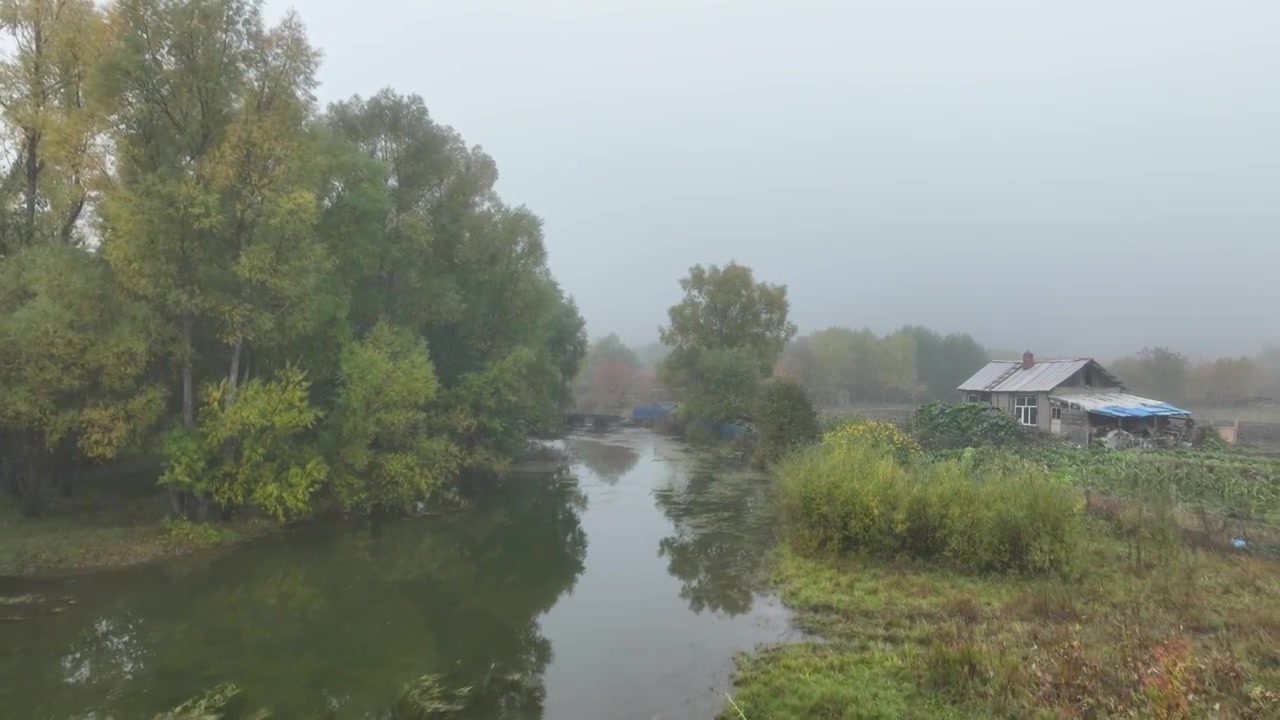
(913, 616)
(902, 639)
(86, 533)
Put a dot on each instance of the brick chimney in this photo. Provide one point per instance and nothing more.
(1028, 360)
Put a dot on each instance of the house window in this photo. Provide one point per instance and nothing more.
(975, 397)
(1026, 408)
(1057, 413)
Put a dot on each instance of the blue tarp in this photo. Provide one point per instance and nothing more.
(656, 411)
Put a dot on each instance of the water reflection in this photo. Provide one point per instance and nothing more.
(722, 523)
(332, 623)
(609, 462)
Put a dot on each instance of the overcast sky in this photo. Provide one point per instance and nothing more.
(1083, 177)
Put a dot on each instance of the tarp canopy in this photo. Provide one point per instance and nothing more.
(1119, 405)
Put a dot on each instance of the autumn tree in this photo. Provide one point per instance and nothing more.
(53, 125)
(74, 355)
(610, 378)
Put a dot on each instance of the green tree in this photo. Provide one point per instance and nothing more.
(50, 118)
(725, 337)
(250, 449)
(943, 362)
(725, 308)
(722, 385)
(74, 355)
(381, 449)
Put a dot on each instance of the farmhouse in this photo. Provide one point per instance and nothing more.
(1077, 398)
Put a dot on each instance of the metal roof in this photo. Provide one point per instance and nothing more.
(1118, 404)
(1008, 376)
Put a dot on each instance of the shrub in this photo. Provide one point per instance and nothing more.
(785, 419)
(1002, 517)
(860, 432)
(940, 426)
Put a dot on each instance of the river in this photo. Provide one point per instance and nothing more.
(621, 587)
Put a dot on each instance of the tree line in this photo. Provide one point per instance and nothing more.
(1169, 375)
(295, 308)
(730, 332)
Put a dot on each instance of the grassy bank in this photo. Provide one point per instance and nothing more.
(911, 619)
(87, 532)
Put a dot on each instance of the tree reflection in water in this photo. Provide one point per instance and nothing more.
(722, 519)
(324, 624)
(608, 462)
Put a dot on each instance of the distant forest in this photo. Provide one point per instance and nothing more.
(842, 366)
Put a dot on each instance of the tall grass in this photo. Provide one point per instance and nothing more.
(848, 497)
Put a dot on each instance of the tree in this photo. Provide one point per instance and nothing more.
(610, 377)
(74, 356)
(722, 385)
(280, 273)
(725, 337)
(725, 308)
(250, 448)
(381, 449)
(53, 125)
(1158, 372)
(943, 362)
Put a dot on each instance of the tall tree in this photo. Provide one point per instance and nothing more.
(725, 308)
(53, 126)
(210, 218)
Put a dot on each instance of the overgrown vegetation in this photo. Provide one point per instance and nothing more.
(851, 495)
(785, 420)
(1027, 580)
(297, 309)
(943, 426)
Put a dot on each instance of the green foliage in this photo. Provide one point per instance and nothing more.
(249, 448)
(785, 419)
(726, 309)
(1222, 478)
(943, 362)
(857, 498)
(381, 450)
(243, 235)
(840, 365)
(941, 426)
(722, 384)
(188, 534)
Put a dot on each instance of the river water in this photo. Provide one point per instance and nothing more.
(620, 588)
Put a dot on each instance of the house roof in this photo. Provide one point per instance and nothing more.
(1043, 376)
(1119, 404)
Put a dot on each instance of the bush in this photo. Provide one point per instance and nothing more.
(855, 497)
(940, 426)
(785, 419)
(859, 432)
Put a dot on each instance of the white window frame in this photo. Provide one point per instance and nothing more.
(1026, 408)
(973, 397)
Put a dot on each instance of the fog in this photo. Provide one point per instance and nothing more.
(1080, 178)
